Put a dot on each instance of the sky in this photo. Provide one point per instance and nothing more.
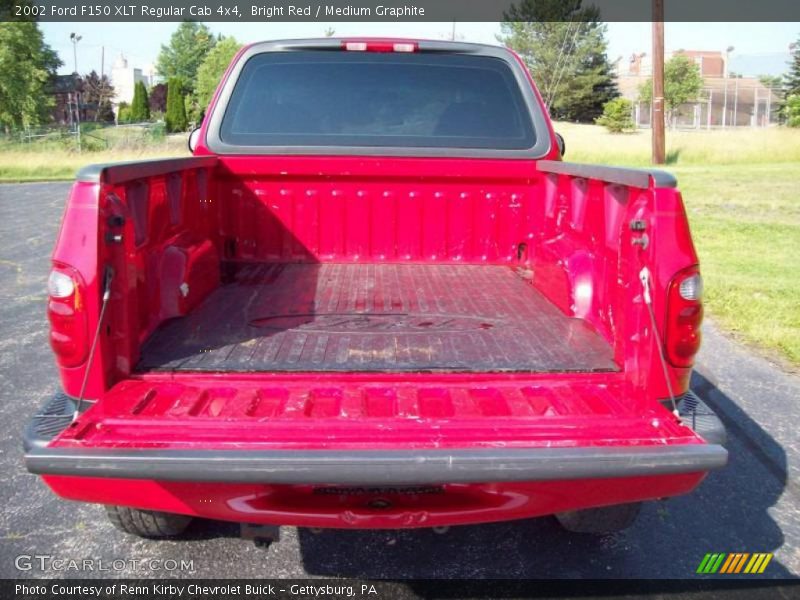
(760, 48)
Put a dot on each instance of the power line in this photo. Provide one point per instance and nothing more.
(549, 89)
(564, 67)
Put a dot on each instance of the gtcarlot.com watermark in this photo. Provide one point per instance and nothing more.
(48, 562)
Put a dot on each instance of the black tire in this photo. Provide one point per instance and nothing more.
(147, 523)
(598, 521)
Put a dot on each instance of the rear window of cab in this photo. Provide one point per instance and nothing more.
(414, 100)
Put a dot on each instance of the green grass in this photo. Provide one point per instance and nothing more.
(741, 194)
(743, 146)
(55, 157)
(746, 226)
(59, 165)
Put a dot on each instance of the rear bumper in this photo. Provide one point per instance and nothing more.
(362, 467)
(365, 489)
(377, 468)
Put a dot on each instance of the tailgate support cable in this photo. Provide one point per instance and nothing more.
(107, 278)
(644, 277)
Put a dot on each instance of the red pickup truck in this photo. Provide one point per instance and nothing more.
(374, 297)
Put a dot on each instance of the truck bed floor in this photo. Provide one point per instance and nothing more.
(376, 317)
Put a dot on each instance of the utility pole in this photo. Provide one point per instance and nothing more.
(755, 105)
(74, 102)
(728, 51)
(710, 108)
(735, 99)
(769, 106)
(78, 118)
(657, 109)
(75, 38)
(102, 94)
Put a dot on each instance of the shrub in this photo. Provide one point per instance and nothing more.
(123, 113)
(792, 110)
(193, 112)
(157, 132)
(616, 115)
(140, 109)
(158, 98)
(175, 117)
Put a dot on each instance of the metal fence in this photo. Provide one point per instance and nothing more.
(722, 104)
(89, 136)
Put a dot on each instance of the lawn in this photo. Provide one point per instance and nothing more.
(56, 157)
(54, 166)
(740, 188)
(742, 146)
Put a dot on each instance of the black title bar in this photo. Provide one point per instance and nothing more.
(389, 10)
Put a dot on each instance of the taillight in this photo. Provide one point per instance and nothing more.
(60, 285)
(67, 314)
(684, 317)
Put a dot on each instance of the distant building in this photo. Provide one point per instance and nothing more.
(711, 63)
(637, 65)
(744, 101)
(67, 90)
(124, 78)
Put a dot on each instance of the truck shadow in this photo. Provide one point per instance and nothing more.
(727, 513)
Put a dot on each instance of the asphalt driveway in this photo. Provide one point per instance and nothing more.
(751, 506)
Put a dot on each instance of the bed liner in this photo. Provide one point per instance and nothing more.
(377, 318)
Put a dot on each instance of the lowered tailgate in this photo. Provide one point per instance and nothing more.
(301, 429)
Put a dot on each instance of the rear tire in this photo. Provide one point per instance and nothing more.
(598, 521)
(147, 523)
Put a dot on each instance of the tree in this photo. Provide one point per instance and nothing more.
(213, 68)
(98, 90)
(564, 47)
(175, 117)
(773, 82)
(123, 113)
(194, 113)
(682, 83)
(158, 98)
(140, 109)
(792, 111)
(187, 48)
(792, 78)
(27, 65)
(105, 112)
(774, 85)
(616, 115)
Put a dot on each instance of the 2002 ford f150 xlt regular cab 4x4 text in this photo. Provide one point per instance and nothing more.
(375, 297)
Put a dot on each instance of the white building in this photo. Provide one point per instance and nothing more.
(125, 77)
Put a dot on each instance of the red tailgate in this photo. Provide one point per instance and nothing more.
(351, 412)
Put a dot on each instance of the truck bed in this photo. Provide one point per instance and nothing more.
(376, 318)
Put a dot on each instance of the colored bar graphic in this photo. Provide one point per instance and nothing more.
(741, 562)
(728, 563)
(715, 567)
(767, 558)
(703, 564)
(754, 563)
(734, 563)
